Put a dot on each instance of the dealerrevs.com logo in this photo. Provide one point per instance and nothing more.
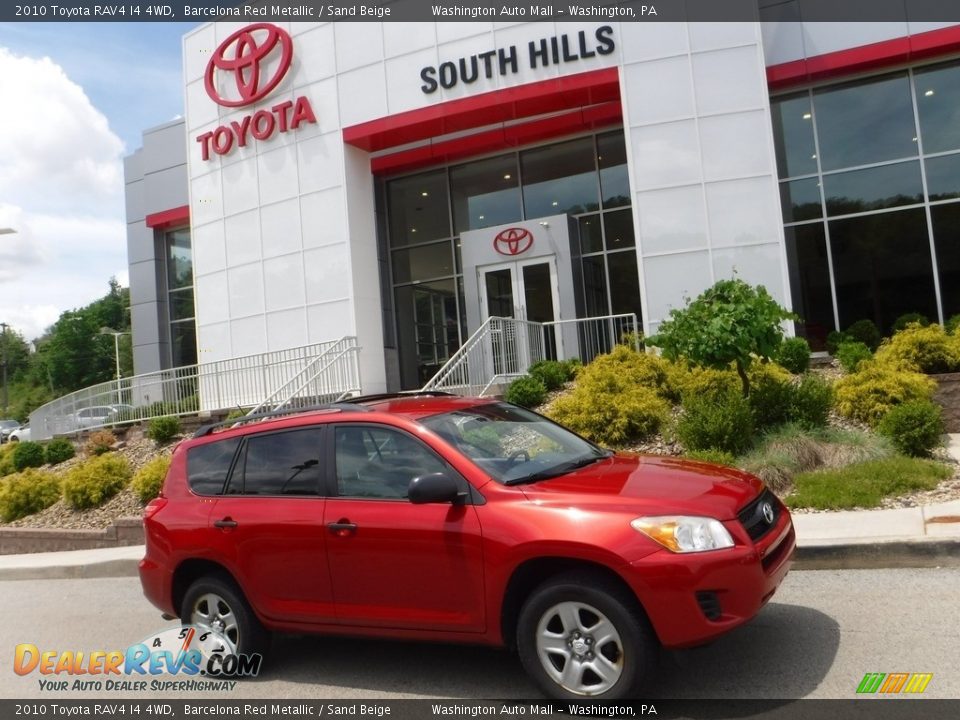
(200, 659)
(243, 70)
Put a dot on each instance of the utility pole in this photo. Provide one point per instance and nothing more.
(3, 337)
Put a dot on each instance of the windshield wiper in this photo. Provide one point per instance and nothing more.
(558, 470)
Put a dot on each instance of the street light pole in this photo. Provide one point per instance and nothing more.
(116, 345)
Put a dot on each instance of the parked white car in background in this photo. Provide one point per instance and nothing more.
(20, 434)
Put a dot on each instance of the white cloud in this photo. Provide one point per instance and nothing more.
(61, 183)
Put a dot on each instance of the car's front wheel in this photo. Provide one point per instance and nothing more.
(217, 604)
(581, 636)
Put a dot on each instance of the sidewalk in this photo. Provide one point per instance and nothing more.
(926, 536)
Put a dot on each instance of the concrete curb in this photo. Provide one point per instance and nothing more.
(105, 569)
(918, 553)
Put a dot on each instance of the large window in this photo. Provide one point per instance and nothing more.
(870, 191)
(183, 328)
(426, 213)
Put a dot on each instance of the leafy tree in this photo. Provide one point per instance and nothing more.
(729, 323)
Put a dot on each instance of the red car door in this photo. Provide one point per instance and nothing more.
(395, 564)
(268, 525)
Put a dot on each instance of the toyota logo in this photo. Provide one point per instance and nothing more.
(244, 56)
(767, 510)
(513, 241)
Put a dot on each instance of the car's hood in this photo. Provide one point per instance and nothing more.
(652, 485)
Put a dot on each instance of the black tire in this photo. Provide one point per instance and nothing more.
(591, 597)
(250, 635)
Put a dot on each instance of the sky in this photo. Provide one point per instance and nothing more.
(74, 100)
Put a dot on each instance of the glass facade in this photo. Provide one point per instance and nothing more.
(584, 177)
(180, 310)
(870, 190)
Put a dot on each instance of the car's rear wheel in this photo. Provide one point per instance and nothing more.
(217, 604)
(582, 636)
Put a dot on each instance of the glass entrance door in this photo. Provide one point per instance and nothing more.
(523, 290)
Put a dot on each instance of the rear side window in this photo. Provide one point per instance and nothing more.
(282, 463)
(208, 465)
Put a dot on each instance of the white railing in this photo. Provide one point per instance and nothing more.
(330, 376)
(503, 349)
(223, 385)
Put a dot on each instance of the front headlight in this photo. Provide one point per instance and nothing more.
(684, 533)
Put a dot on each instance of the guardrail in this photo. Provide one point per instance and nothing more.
(503, 349)
(223, 385)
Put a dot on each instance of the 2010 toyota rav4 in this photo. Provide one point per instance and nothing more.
(461, 520)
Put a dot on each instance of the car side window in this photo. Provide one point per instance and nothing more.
(280, 463)
(374, 462)
(209, 464)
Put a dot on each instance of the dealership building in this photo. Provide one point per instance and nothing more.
(399, 183)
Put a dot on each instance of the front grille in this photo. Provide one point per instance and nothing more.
(752, 517)
(709, 604)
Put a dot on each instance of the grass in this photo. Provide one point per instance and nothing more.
(865, 484)
(790, 450)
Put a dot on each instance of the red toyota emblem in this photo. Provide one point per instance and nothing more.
(513, 241)
(244, 55)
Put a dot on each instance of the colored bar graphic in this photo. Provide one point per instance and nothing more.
(894, 683)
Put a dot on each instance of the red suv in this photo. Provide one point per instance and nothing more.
(435, 517)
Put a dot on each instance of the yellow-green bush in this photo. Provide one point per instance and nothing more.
(692, 381)
(95, 481)
(925, 349)
(27, 492)
(619, 397)
(614, 416)
(148, 480)
(6, 459)
(868, 394)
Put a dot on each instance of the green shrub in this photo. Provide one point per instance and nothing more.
(770, 400)
(95, 481)
(526, 391)
(27, 455)
(27, 492)
(868, 394)
(835, 339)
(236, 414)
(550, 372)
(716, 423)
(864, 485)
(572, 367)
(717, 457)
(692, 381)
(58, 451)
(794, 355)
(915, 427)
(926, 349)
(953, 322)
(907, 319)
(864, 331)
(810, 402)
(148, 480)
(851, 354)
(163, 429)
(99, 442)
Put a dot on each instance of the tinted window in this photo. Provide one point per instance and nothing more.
(938, 100)
(419, 210)
(810, 282)
(379, 462)
(793, 135)
(485, 193)
(286, 463)
(560, 179)
(208, 465)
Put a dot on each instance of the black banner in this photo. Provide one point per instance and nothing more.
(484, 11)
(854, 709)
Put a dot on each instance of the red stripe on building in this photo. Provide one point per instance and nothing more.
(875, 56)
(169, 218)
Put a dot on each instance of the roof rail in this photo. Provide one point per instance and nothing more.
(343, 406)
(402, 394)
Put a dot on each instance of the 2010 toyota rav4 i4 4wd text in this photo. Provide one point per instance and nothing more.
(443, 518)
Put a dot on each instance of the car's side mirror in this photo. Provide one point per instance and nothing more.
(434, 488)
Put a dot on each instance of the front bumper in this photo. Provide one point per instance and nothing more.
(737, 583)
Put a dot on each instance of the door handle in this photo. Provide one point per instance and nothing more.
(225, 523)
(342, 528)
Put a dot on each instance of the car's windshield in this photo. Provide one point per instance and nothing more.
(7, 424)
(513, 445)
